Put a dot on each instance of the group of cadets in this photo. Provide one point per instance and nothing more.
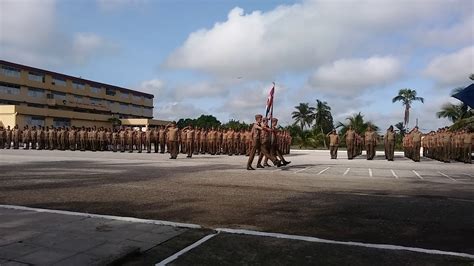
(268, 142)
(446, 146)
(169, 138)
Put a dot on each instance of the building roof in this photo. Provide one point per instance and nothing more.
(63, 76)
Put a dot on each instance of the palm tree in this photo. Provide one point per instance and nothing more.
(323, 118)
(407, 96)
(358, 124)
(455, 112)
(304, 115)
(401, 127)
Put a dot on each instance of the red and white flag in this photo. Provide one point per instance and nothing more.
(270, 101)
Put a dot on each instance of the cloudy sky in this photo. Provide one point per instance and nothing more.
(220, 57)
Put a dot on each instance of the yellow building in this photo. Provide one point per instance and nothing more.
(32, 96)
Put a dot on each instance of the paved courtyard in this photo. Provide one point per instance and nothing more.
(428, 205)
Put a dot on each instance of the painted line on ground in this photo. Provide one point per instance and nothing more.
(370, 173)
(184, 250)
(445, 175)
(304, 169)
(467, 174)
(347, 171)
(324, 170)
(109, 217)
(241, 231)
(347, 243)
(393, 173)
(418, 175)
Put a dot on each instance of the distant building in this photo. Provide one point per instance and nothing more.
(32, 96)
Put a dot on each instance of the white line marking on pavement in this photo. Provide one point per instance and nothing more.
(324, 170)
(301, 170)
(393, 173)
(467, 174)
(370, 172)
(110, 217)
(347, 243)
(445, 175)
(418, 175)
(347, 171)
(186, 249)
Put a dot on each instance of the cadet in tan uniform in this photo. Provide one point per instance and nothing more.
(16, 137)
(114, 140)
(8, 137)
(416, 144)
(189, 131)
(389, 141)
(162, 137)
(139, 139)
(370, 143)
(148, 139)
(123, 137)
(275, 149)
(83, 138)
(130, 140)
(155, 139)
(26, 137)
(172, 135)
(350, 142)
(2, 138)
(256, 133)
(333, 143)
(72, 139)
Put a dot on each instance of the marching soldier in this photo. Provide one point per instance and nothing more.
(333, 143)
(350, 142)
(139, 139)
(265, 146)
(370, 143)
(122, 136)
(8, 137)
(172, 135)
(275, 149)
(389, 141)
(148, 139)
(16, 137)
(416, 144)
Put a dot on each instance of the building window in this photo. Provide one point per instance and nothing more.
(124, 95)
(35, 77)
(37, 93)
(59, 82)
(10, 72)
(9, 89)
(35, 121)
(59, 95)
(95, 101)
(78, 86)
(123, 107)
(61, 122)
(137, 97)
(96, 90)
(78, 99)
(110, 92)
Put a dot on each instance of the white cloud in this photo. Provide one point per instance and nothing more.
(450, 70)
(300, 36)
(460, 33)
(177, 110)
(29, 35)
(350, 76)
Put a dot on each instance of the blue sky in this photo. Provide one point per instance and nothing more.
(355, 55)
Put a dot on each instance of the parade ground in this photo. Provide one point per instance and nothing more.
(85, 208)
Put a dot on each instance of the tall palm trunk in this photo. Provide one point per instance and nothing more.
(324, 139)
(407, 114)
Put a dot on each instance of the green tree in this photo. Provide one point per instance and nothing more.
(184, 122)
(358, 124)
(323, 119)
(401, 128)
(455, 112)
(236, 125)
(304, 115)
(207, 121)
(407, 97)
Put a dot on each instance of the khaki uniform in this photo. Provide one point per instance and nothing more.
(173, 138)
(350, 143)
(389, 145)
(333, 145)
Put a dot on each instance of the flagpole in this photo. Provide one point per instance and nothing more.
(271, 114)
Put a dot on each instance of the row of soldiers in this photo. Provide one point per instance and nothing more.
(446, 145)
(212, 141)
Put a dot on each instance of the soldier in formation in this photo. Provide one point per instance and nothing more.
(447, 145)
